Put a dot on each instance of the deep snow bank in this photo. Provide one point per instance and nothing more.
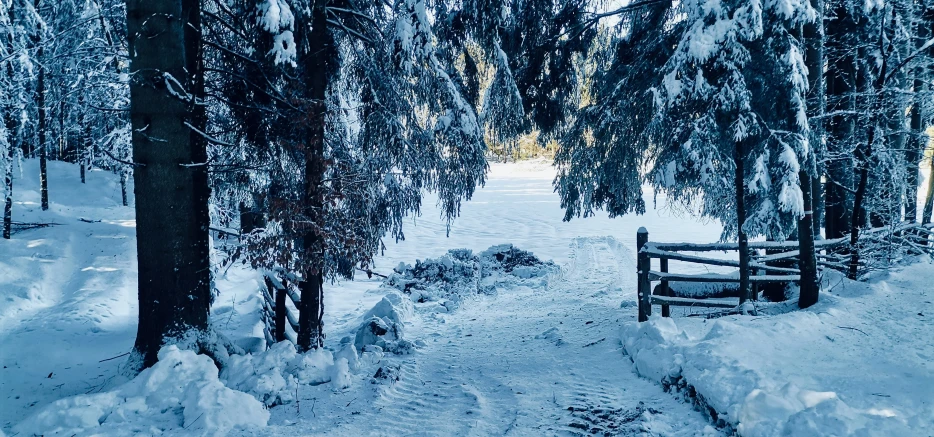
(857, 363)
(181, 394)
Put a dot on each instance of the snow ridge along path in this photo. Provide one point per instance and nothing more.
(524, 362)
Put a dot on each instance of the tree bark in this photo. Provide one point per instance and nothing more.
(42, 128)
(807, 258)
(11, 131)
(841, 80)
(739, 181)
(171, 199)
(929, 197)
(913, 153)
(124, 175)
(317, 71)
(817, 103)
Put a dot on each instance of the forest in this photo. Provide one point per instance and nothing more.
(298, 140)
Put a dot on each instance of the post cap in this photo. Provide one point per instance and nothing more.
(642, 230)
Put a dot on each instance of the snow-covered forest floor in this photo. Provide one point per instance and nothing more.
(544, 354)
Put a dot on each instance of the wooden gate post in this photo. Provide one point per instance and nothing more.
(644, 264)
(280, 311)
(665, 291)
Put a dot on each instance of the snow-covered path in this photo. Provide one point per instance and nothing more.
(524, 362)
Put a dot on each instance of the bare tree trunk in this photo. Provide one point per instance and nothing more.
(807, 263)
(42, 128)
(311, 323)
(863, 155)
(124, 175)
(817, 102)
(172, 218)
(841, 80)
(913, 154)
(8, 182)
(739, 156)
(11, 131)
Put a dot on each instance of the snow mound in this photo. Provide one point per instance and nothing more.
(739, 392)
(272, 376)
(181, 394)
(383, 325)
(460, 273)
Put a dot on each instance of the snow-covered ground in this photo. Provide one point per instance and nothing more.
(540, 356)
(860, 362)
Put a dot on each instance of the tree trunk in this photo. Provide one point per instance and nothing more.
(913, 154)
(10, 122)
(929, 197)
(841, 80)
(817, 102)
(862, 161)
(739, 181)
(42, 130)
(316, 69)
(807, 258)
(124, 175)
(171, 200)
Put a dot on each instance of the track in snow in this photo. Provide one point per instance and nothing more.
(527, 362)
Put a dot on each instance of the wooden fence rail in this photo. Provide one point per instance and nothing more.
(281, 322)
(775, 265)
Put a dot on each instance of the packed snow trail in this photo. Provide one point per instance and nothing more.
(524, 362)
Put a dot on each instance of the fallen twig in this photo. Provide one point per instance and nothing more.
(596, 342)
(854, 329)
(114, 358)
(370, 273)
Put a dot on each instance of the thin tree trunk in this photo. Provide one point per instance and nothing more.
(42, 128)
(807, 262)
(817, 102)
(8, 183)
(913, 154)
(311, 323)
(739, 181)
(929, 197)
(124, 175)
(841, 79)
(11, 131)
(171, 199)
(862, 159)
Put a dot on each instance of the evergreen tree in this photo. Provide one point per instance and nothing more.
(354, 116)
(170, 176)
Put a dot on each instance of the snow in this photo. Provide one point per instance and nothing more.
(529, 349)
(180, 394)
(856, 363)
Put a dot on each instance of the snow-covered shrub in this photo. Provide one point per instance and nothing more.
(460, 273)
(180, 392)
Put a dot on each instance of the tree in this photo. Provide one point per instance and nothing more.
(170, 174)
(603, 150)
(347, 115)
(17, 17)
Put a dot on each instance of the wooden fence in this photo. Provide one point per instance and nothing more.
(770, 262)
(280, 320)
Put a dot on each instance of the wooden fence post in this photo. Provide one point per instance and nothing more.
(644, 264)
(280, 311)
(665, 291)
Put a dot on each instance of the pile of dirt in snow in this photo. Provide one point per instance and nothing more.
(460, 273)
(180, 394)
